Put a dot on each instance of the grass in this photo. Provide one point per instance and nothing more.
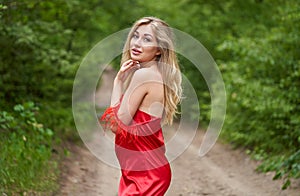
(28, 162)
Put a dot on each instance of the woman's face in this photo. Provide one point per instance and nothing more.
(143, 44)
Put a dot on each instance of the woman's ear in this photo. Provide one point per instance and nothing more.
(158, 52)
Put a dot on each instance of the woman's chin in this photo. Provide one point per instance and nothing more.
(136, 59)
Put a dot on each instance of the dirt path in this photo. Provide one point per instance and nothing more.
(222, 171)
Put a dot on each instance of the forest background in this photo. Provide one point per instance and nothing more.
(255, 43)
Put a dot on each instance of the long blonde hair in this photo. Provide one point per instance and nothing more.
(167, 63)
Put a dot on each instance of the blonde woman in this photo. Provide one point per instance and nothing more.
(145, 95)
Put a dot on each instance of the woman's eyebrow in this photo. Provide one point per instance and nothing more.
(147, 34)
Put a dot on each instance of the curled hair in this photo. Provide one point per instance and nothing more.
(167, 63)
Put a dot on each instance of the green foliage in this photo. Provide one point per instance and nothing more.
(26, 150)
(261, 69)
(286, 167)
(33, 62)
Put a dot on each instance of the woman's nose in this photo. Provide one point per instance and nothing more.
(137, 42)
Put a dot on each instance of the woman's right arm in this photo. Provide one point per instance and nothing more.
(126, 69)
(116, 92)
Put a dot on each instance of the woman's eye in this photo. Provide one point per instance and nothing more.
(147, 39)
(135, 36)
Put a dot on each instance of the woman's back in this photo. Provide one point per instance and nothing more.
(152, 102)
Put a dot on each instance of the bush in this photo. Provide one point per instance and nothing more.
(261, 70)
(26, 152)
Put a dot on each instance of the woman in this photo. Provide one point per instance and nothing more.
(146, 92)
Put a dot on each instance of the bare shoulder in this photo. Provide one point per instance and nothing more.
(140, 73)
(146, 74)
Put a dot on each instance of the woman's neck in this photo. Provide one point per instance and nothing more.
(149, 64)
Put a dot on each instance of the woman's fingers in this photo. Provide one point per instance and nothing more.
(129, 64)
(128, 67)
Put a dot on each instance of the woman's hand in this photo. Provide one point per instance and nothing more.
(127, 68)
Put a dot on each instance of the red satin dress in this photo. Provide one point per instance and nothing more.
(140, 150)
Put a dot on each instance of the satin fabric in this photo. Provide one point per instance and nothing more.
(140, 150)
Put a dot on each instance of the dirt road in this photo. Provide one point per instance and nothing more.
(222, 171)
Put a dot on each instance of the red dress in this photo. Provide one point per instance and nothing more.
(140, 150)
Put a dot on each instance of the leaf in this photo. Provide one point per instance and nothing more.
(278, 175)
(286, 184)
(19, 108)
